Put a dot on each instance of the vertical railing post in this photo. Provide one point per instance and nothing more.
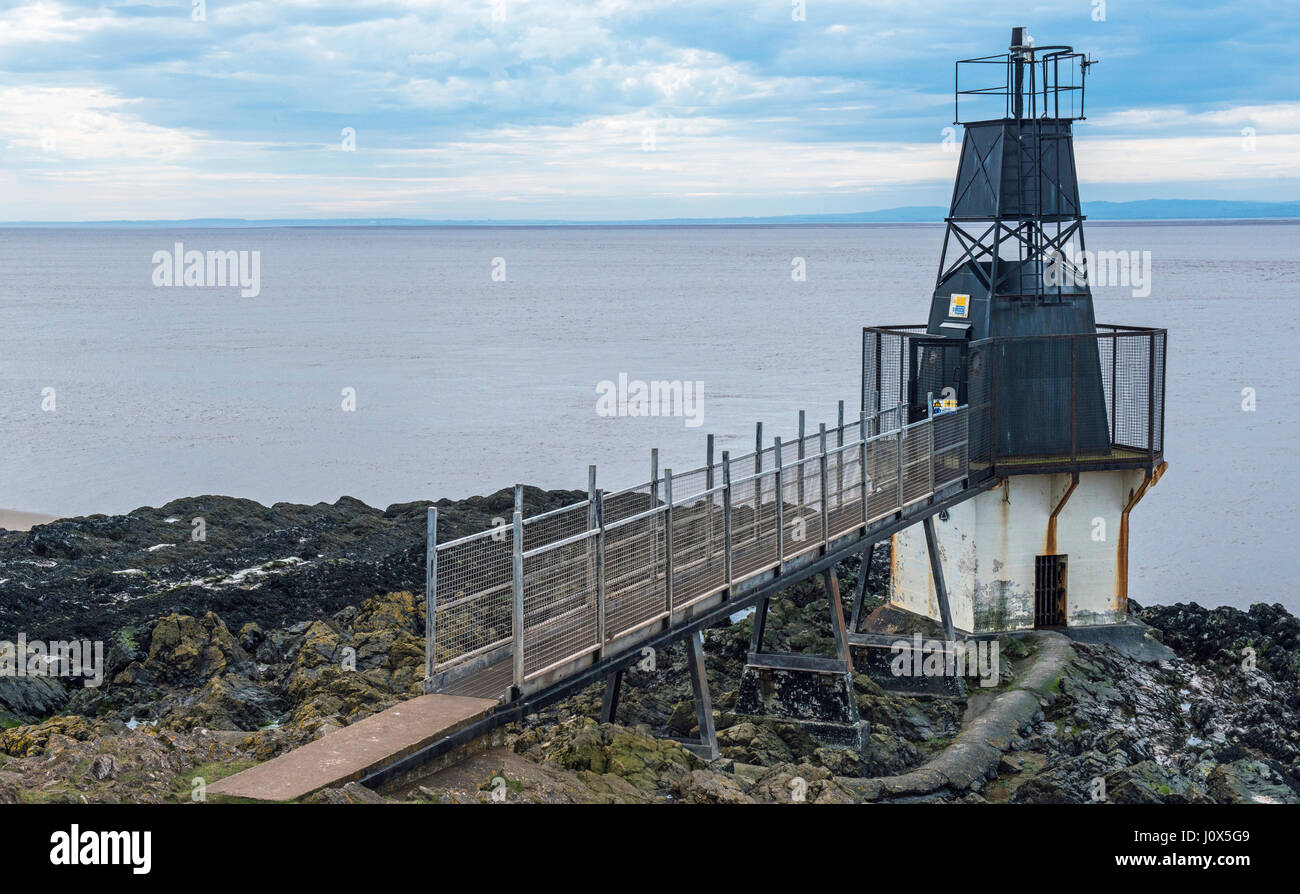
(601, 636)
(654, 502)
(517, 591)
(726, 518)
(1151, 397)
(929, 415)
(591, 525)
(668, 542)
(965, 439)
(993, 367)
(1114, 385)
(654, 473)
(800, 454)
(708, 505)
(898, 448)
(1074, 398)
(430, 595)
(780, 507)
(839, 466)
(758, 480)
(866, 476)
(824, 473)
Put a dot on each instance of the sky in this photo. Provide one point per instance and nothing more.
(612, 109)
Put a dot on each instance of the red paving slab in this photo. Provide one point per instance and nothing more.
(355, 750)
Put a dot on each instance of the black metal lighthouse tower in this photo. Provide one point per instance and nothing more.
(1011, 331)
(1013, 226)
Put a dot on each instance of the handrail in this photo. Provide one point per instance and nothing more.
(585, 591)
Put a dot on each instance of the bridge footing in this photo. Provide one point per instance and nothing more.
(814, 692)
(811, 690)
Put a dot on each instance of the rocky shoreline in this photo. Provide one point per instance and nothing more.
(285, 623)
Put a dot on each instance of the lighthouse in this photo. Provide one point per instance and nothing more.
(1065, 416)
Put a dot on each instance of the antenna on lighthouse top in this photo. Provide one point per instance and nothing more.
(1021, 46)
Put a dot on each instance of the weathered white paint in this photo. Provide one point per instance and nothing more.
(988, 544)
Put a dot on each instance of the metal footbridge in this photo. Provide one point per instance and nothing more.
(524, 614)
(519, 609)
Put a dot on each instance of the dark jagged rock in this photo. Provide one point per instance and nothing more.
(103, 576)
(289, 622)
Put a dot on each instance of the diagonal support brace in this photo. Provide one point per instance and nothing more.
(707, 746)
(609, 704)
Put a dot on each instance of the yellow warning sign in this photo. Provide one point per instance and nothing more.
(959, 306)
(944, 405)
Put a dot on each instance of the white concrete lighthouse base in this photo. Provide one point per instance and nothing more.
(988, 547)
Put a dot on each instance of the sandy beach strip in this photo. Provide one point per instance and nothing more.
(13, 520)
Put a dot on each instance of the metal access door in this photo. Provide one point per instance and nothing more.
(936, 364)
(1050, 591)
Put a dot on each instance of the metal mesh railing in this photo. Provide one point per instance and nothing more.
(559, 601)
(886, 378)
(632, 501)
(636, 591)
(473, 583)
(1040, 403)
(593, 573)
(753, 524)
(845, 511)
(801, 505)
(558, 524)
(698, 547)
(951, 447)
(915, 447)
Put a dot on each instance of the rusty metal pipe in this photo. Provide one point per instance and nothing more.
(1121, 583)
(1051, 520)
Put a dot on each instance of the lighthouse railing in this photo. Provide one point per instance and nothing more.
(1039, 403)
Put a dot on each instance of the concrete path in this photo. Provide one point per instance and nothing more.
(980, 745)
(352, 752)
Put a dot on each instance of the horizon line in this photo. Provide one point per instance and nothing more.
(1201, 210)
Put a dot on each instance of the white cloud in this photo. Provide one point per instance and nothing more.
(1281, 117)
(1189, 159)
(45, 21)
(84, 123)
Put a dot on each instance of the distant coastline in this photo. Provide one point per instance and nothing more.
(1188, 211)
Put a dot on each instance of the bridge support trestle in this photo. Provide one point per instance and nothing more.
(706, 746)
(860, 592)
(811, 690)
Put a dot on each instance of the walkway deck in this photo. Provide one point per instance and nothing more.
(355, 751)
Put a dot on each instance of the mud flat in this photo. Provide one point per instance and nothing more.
(13, 520)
